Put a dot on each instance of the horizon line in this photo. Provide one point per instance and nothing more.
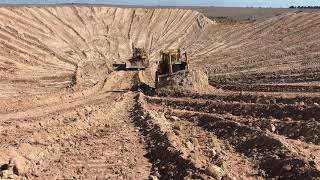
(134, 5)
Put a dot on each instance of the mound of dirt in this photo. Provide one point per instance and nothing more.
(194, 81)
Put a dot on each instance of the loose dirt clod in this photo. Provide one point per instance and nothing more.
(271, 127)
(19, 164)
(215, 171)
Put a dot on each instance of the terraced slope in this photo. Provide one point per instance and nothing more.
(53, 48)
(279, 54)
(66, 113)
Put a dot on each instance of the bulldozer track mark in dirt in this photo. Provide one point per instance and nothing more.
(50, 109)
(302, 128)
(203, 155)
(225, 124)
(244, 109)
(66, 113)
(262, 143)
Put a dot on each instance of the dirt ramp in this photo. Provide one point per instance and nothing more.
(194, 81)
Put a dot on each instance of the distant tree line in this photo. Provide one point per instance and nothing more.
(304, 7)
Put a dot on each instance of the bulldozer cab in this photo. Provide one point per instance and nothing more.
(172, 61)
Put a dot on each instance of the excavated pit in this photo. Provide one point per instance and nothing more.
(58, 47)
(65, 114)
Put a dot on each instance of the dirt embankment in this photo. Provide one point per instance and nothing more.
(51, 48)
(192, 81)
(65, 113)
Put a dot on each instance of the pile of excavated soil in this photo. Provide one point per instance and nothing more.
(193, 81)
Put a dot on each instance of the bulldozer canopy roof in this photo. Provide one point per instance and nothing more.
(174, 51)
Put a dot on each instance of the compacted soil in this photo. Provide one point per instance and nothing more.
(66, 113)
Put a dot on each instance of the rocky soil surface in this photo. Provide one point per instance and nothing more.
(65, 113)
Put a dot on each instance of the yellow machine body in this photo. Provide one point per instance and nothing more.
(171, 61)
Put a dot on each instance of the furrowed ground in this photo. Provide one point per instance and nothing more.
(65, 113)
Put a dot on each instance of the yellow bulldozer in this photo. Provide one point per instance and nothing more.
(139, 60)
(171, 61)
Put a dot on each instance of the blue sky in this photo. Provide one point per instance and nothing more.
(241, 3)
